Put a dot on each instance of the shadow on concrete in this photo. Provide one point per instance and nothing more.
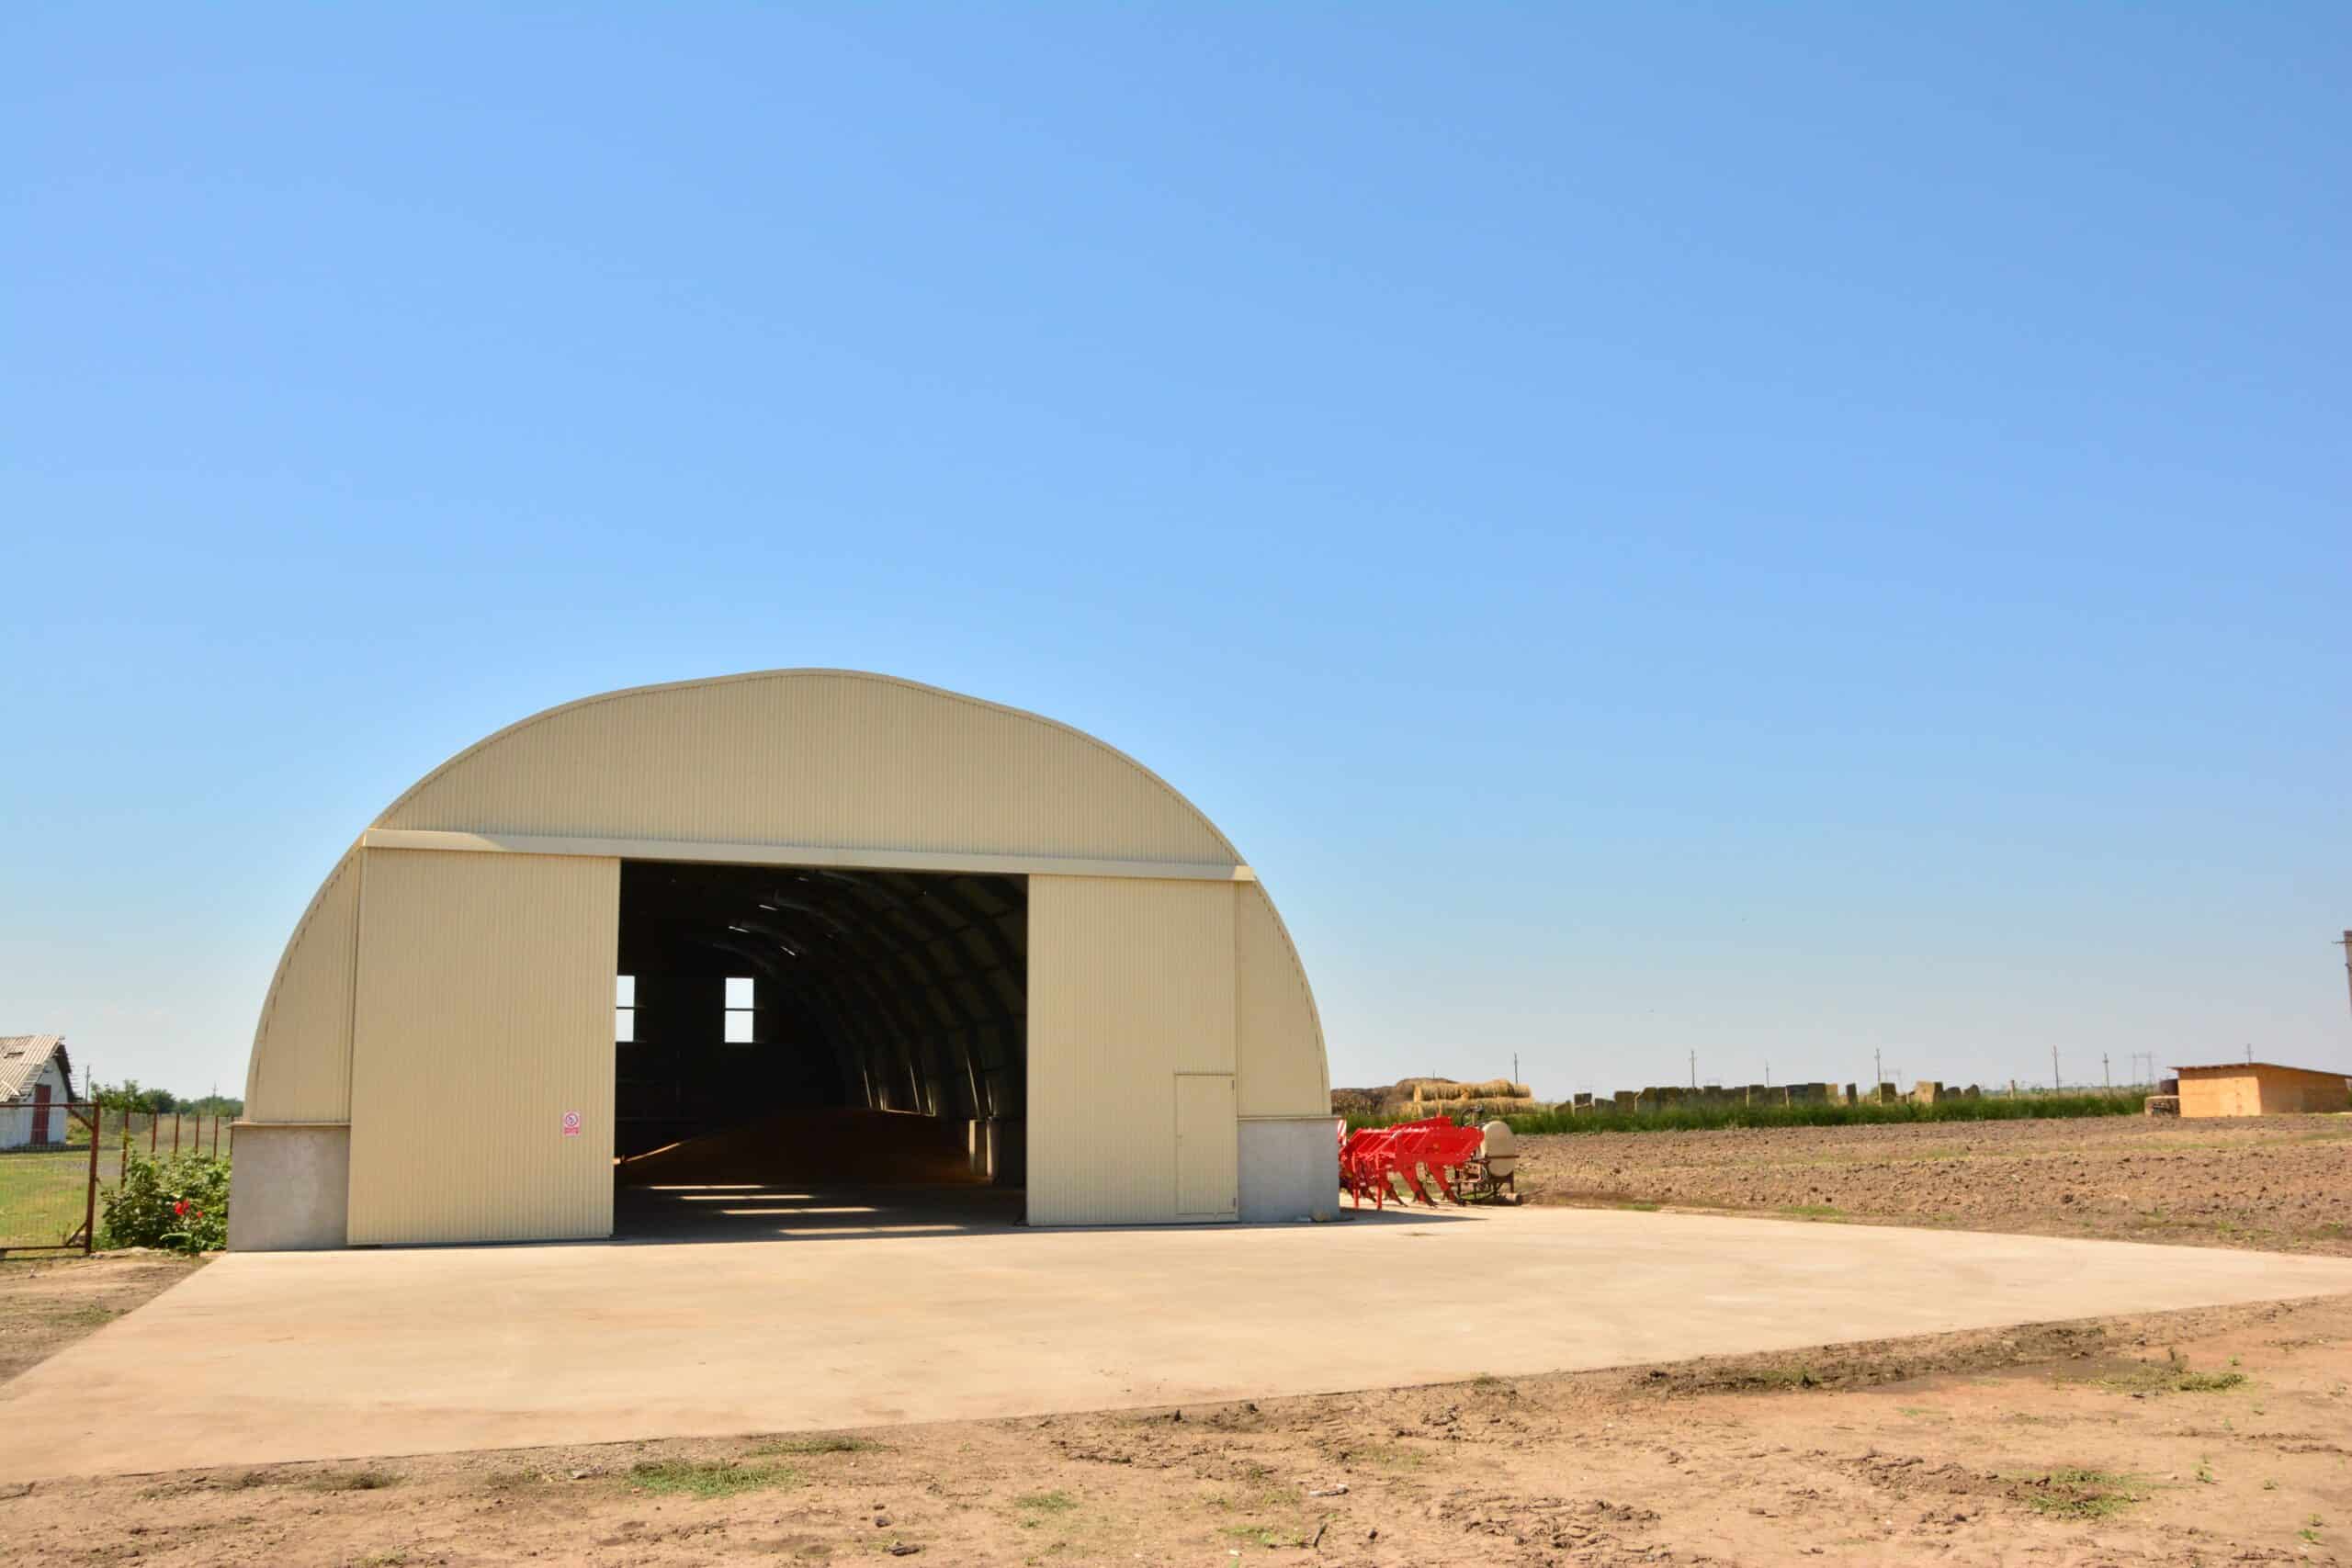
(657, 1213)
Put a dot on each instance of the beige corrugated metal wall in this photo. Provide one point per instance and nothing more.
(1278, 1037)
(825, 758)
(449, 1005)
(301, 1068)
(1130, 984)
(483, 1015)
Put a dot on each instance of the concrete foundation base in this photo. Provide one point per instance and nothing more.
(263, 1360)
(1290, 1170)
(289, 1186)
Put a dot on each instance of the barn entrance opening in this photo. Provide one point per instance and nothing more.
(804, 1053)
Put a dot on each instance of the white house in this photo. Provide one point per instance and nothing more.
(36, 1082)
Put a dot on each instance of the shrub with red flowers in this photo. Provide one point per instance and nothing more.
(179, 1203)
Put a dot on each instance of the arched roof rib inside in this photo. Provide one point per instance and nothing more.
(893, 990)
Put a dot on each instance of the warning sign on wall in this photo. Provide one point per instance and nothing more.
(572, 1124)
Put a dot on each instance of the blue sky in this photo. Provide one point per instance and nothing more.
(1774, 531)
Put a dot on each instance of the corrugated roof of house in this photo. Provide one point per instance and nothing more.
(2242, 1067)
(22, 1056)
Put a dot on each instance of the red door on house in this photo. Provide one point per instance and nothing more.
(41, 1113)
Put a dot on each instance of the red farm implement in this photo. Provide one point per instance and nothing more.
(1429, 1162)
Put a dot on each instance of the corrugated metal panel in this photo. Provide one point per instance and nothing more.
(484, 1015)
(301, 1068)
(824, 757)
(1130, 983)
(1278, 1037)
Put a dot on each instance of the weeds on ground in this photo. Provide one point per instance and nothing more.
(2171, 1375)
(1812, 1211)
(832, 1444)
(2206, 1382)
(352, 1481)
(711, 1478)
(1387, 1456)
(2077, 1494)
(1272, 1540)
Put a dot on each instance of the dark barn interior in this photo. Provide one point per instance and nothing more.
(786, 1026)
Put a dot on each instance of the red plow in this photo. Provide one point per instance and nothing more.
(1429, 1162)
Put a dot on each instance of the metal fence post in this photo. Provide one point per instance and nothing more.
(90, 1198)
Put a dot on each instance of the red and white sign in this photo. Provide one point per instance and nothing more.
(572, 1124)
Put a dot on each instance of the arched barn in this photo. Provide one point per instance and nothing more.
(815, 925)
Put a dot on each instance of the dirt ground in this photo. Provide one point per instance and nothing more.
(2276, 1183)
(45, 1304)
(2219, 1436)
(2216, 1436)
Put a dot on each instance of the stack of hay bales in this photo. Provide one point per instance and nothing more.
(1477, 1101)
(1437, 1090)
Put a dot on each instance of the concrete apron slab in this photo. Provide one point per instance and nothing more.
(302, 1356)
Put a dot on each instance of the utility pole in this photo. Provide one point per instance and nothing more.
(1695, 1069)
(2054, 1068)
(2104, 1073)
(1878, 1074)
(1768, 1072)
(2346, 945)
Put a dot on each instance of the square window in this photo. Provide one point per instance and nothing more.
(623, 1026)
(625, 990)
(739, 1026)
(739, 992)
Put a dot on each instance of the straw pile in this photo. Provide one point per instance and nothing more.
(1425, 1090)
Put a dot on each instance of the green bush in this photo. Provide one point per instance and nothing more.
(179, 1203)
(1708, 1116)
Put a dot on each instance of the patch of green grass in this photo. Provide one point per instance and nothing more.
(824, 1445)
(2206, 1383)
(2172, 1375)
(514, 1480)
(1640, 1206)
(1390, 1456)
(1267, 1536)
(713, 1478)
(1055, 1502)
(1812, 1211)
(2077, 1494)
(352, 1481)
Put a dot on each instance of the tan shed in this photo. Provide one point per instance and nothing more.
(716, 954)
(2259, 1088)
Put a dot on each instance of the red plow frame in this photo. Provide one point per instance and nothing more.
(1430, 1162)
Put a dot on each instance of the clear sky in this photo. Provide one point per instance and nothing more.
(1778, 532)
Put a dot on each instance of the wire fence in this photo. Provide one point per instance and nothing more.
(57, 1160)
